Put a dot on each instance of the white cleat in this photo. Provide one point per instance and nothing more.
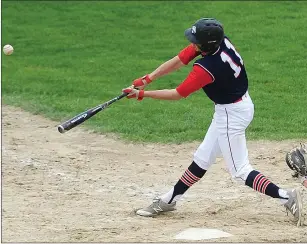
(157, 207)
(295, 205)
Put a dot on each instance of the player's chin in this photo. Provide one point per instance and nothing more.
(197, 49)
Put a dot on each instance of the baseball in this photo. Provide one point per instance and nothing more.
(8, 49)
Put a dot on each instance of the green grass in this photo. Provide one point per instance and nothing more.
(70, 56)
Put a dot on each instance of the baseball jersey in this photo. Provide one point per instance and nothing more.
(222, 75)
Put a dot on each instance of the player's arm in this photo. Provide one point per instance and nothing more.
(167, 94)
(196, 79)
(167, 67)
(183, 58)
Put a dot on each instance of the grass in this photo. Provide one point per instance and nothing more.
(70, 56)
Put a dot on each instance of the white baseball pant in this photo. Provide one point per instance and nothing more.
(226, 137)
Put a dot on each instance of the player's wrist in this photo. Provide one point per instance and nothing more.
(147, 78)
(141, 95)
(147, 94)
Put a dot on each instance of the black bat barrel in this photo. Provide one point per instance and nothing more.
(79, 119)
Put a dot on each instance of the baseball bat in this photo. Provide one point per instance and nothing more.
(80, 118)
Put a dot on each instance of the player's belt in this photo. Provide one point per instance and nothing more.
(239, 100)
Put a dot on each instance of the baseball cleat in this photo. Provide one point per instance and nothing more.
(157, 207)
(295, 206)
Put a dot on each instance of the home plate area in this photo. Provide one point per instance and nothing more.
(197, 234)
(83, 188)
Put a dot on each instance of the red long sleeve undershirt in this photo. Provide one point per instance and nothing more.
(197, 78)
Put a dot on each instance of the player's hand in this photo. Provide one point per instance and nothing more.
(134, 93)
(140, 83)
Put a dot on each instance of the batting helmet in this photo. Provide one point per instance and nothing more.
(208, 33)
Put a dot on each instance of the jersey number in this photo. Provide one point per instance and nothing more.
(226, 58)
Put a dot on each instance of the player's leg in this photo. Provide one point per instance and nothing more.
(232, 122)
(204, 157)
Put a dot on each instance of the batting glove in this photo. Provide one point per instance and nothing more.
(134, 93)
(140, 83)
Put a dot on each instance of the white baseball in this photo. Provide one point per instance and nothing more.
(8, 49)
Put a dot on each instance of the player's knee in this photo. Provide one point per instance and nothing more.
(201, 163)
(241, 174)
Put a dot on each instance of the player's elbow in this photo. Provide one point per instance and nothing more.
(176, 95)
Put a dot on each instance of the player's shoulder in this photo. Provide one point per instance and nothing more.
(203, 61)
(226, 39)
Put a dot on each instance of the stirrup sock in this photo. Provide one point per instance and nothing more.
(260, 183)
(193, 174)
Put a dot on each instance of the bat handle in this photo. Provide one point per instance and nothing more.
(122, 95)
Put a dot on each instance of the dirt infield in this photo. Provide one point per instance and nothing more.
(84, 187)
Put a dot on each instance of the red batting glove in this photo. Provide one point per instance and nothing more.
(140, 83)
(134, 93)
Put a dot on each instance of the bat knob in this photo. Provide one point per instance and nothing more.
(61, 129)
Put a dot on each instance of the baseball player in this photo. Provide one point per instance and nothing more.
(221, 74)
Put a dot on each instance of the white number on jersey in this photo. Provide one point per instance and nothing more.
(226, 58)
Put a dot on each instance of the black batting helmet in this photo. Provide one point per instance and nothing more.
(207, 32)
